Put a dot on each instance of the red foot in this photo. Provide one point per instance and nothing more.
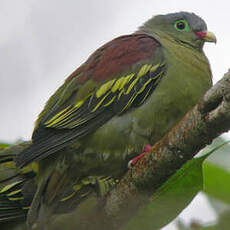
(132, 162)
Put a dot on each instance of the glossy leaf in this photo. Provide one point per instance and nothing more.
(217, 182)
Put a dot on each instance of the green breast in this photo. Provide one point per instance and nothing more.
(187, 79)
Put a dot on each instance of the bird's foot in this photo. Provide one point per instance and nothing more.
(132, 162)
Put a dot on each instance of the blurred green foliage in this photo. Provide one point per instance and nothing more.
(4, 145)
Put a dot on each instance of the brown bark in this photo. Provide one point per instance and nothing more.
(206, 121)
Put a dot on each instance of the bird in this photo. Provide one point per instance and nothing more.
(109, 112)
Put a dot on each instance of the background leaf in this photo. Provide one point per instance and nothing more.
(216, 182)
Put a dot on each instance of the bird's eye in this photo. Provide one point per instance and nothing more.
(181, 25)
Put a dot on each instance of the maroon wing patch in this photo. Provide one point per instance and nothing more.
(116, 56)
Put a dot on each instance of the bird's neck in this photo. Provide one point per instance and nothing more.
(181, 52)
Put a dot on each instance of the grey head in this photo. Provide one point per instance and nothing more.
(183, 27)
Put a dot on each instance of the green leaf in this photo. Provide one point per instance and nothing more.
(216, 182)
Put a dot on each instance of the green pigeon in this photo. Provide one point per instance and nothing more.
(124, 98)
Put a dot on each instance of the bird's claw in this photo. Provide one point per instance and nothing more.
(132, 162)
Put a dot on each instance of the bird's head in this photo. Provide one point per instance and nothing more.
(185, 28)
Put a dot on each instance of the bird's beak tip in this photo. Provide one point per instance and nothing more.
(210, 37)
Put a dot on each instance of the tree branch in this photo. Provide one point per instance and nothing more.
(206, 121)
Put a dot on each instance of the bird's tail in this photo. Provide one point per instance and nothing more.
(17, 186)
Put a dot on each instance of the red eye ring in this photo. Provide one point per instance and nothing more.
(200, 34)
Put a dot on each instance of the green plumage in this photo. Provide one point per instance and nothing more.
(129, 93)
(17, 188)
